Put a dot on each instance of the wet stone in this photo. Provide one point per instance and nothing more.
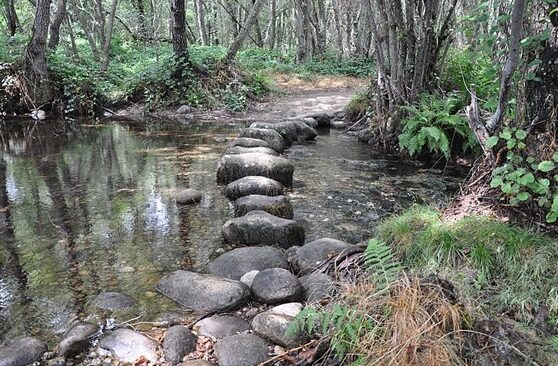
(279, 206)
(22, 352)
(113, 301)
(203, 292)
(241, 350)
(77, 339)
(248, 142)
(188, 196)
(238, 262)
(276, 286)
(253, 185)
(258, 227)
(179, 341)
(196, 363)
(234, 167)
(273, 138)
(243, 150)
(221, 326)
(127, 345)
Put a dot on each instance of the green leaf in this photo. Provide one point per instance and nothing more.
(523, 196)
(527, 179)
(545, 166)
(492, 141)
(520, 134)
(506, 135)
(496, 182)
(511, 143)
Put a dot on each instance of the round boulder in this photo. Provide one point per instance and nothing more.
(203, 292)
(113, 301)
(313, 254)
(273, 138)
(244, 150)
(77, 339)
(241, 350)
(239, 261)
(127, 345)
(221, 326)
(233, 167)
(259, 227)
(248, 142)
(279, 206)
(275, 327)
(287, 130)
(179, 341)
(317, 286)
(253, 185)
(276, 286)
(22, 352)
(188, 196)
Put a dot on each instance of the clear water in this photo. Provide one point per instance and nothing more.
(87, 208)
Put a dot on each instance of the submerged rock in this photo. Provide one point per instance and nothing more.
(127, 345)
(246, 150)
(237, 262)
(188, 196)
(22, 352)
(313, 254)
(77, 339)
(241, 350)
(279, 206)
(179, 341)
(259, 227)
(317, 286)
(248, 142)
(203, 292)
(113, 301)
(253, 185)
(221, 326)
(234, 167)
(273, 138)
(276, 286)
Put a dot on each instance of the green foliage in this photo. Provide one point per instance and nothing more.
(432, 124)
(526, 176)
(379, 260)
(512, 266)
(235, 97)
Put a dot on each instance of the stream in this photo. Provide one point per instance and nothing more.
(88, 207)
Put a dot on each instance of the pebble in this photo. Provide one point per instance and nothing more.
(279, 351)
(252, 313)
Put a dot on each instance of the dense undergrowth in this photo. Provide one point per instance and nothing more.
(433, 287)
(147, 74)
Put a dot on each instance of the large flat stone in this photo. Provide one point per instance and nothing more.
(273, 138)
(234, 167)
(238, 262)
(253, 185)
(279, 206)
(22, 352)
(241, 350)
(127, 345)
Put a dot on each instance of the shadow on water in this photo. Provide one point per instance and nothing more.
(89, 208)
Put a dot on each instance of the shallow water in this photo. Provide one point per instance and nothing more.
(88, 208)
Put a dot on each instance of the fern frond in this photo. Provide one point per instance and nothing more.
(379, 259)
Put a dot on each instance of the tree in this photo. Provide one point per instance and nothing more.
(12, 19)
(56, 23)
(178, 29)
(244, 32)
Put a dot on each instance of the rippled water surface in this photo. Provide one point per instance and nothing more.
(89, 208)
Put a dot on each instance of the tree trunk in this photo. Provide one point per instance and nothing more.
(178, 29)
(200, 16)
(273, 28)
(244, 32)
(36, 71)
(108, 36)
(11, 17)
(56, 23)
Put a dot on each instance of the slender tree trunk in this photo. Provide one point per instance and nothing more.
(248, 24)
(36, 70)
(56, 23)
(178, 29)
(11, 17)
(200, 16)
(108, 36)
(273, 25)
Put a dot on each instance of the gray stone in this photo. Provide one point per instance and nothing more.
(291, 131)
(203, 292)
(241, 350)
(248, 142)
(197, 363)
(58, 361)
(338, 125)
(239, 261)
(77, 339)
(248, 277)
(221, 326)
(253, 185)
(276, 286)
(259, 227)
(113, 301)
(291, 309)
(274, 327)
(317, 286)
(233, 167)
(179, 341)
(184, 109)
(127, 345)
(273, 138)
(309, 121)
(188, 196)
(313, 254)
(323, 119)
(245, 150)
(279, 206)
(22, 352)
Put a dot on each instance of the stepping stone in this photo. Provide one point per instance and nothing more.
(323, 119)
(313, 254)
(188, 196)
(233, 167)
(203, 292)
(245, 150)
(273, 138)
(241, 350)
(274, 325)
(22, 352)
(248, 142)
(113, 301)
(317, 286)
(276, 286)
(291, 131)
(253, 185)
(239, 261)
(221, 326)
(259, 227)
(279, 206)
(77, 339)
(179, 341)
(127, 345)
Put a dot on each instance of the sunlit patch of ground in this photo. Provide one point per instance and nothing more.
(293, 83)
